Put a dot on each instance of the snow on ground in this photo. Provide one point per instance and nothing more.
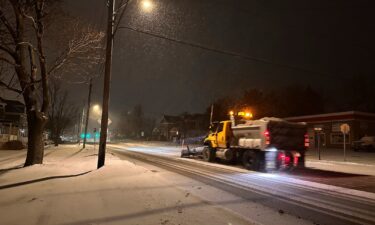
(333, 185)
(337, 155)
(352, 168)
(67, 189)
(362, 163)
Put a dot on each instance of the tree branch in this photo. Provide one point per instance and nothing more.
(9, 51)
(8, 61)
(7, 25)
(3, 84)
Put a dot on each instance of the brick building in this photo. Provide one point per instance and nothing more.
(327, 127)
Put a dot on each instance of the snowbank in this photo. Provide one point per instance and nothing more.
(68, 189)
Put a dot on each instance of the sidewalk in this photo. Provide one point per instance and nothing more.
(68, 189)
(333, 160)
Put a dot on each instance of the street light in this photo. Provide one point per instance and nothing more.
(96, 108)
(147, 5)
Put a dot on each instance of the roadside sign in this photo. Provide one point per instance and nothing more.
(318, 129)
(345, 128)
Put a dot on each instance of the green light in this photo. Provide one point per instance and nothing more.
(88, 135)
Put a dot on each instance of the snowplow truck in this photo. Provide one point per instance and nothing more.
(260, 145)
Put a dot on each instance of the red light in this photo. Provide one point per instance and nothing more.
(281, 156)
(267, 135)
(295, 161)
(307, 140)
(287, 160)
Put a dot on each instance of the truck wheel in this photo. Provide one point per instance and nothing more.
(208, 154)
(250, 160)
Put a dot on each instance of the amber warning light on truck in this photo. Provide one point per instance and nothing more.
(247, 115)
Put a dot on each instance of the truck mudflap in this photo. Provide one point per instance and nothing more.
(282, 160)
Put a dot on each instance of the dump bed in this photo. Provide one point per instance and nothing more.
(269, 133)
(284, 135)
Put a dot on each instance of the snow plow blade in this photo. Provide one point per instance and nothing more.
(191, 152)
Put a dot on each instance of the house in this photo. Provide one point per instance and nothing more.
(324, 129)
(12, 120)
(167, 128)
(176, 127)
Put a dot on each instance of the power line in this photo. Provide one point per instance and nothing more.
(223, 52)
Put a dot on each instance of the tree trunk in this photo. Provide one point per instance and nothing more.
(56, 140)
(36, 122)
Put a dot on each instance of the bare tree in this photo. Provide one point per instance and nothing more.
(23, 50)
(62, 114)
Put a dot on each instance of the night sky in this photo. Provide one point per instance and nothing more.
(316, 42)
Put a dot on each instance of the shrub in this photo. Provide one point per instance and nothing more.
(13, 145)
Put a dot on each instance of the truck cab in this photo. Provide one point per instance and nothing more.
(220, 135)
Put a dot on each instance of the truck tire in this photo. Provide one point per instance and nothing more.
(208, 154)
(250, 160)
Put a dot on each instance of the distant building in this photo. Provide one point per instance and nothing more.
(176, 127)
(327, 127)
(12, 121)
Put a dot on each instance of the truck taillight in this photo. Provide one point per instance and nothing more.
(284, 158)
(295, 159)
(281, 156)
(307, 140)
(267, 136)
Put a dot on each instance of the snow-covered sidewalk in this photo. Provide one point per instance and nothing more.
(67, 189)
(342, 167)
(362, 163)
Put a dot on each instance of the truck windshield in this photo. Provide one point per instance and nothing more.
(213, 127)
(220, 127)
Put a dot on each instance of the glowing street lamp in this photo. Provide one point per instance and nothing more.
(147, 5)
(96, 108)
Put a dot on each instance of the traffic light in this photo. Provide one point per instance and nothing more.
(88, 135)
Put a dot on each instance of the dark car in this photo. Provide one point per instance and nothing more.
(366, 143)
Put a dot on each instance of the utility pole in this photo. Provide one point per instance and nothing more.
(87, 113)
(107, 82)
(81, 124)
(211, 114)
(94, 138)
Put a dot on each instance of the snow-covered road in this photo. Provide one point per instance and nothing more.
(323, 204)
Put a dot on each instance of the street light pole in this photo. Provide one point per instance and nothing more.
(80, 129)
(87, 114)
(107, 82)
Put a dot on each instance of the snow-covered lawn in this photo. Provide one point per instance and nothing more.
(67, 189)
